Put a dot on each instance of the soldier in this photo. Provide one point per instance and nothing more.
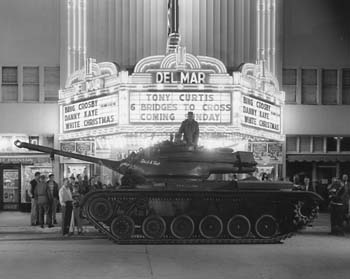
(189, 128)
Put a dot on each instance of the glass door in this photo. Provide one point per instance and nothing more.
(10, 180)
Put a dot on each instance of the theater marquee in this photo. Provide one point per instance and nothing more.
(172, 107)
(92, 113)
(259, 114)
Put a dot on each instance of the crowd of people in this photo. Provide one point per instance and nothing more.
(337, 195)
(44, 199)
(47, 197)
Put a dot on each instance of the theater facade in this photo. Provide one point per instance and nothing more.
(106, 112)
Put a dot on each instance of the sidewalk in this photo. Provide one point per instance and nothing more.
(322, 225)
(13, 223)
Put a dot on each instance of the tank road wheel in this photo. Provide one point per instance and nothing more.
(123, 227)
(238, 226)
(154, 227)
(210, 226)
(302, 213)
(266, 226)
(182, 227)
(100, 209)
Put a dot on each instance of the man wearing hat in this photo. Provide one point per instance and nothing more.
(190, 130)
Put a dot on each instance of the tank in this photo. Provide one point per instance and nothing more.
(169, 195)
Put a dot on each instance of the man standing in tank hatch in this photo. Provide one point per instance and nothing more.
(190, 130)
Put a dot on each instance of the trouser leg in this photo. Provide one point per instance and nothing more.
(77, 218)
(33, 212)
(63, 218)
(67, 217)
(339, 215)
(333, 218)
(346, 211)
(41, 213)
(37, 212)
(49, 214)
(54, 210)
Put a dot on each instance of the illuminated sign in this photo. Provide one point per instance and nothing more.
(260, 114)
(25, 160)
(172, 107)
(180, 77)
(89, 85)
(80, 147)
(266, 152)
(96, 112)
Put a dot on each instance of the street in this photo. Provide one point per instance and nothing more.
(310, 254)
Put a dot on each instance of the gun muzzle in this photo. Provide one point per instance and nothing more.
(18, 143)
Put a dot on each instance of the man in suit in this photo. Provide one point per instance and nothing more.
(53, 187)
(34, 212)
(307, 185)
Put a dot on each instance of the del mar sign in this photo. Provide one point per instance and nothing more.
(180, 77)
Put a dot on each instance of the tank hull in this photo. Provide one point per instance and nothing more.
(211, 213)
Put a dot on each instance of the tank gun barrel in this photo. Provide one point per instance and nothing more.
(114, 165)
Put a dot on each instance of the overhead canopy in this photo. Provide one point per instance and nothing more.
(318, 157)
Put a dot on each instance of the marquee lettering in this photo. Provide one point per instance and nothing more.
(260, 114)
(172, 107)
(92, 113)
(180, 77)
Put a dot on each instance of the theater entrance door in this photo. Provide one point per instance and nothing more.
(10, 190)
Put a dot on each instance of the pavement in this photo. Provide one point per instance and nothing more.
(16, 225)
(311, 254)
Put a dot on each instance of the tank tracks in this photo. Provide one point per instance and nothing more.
(304, 216)
(135, 217)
